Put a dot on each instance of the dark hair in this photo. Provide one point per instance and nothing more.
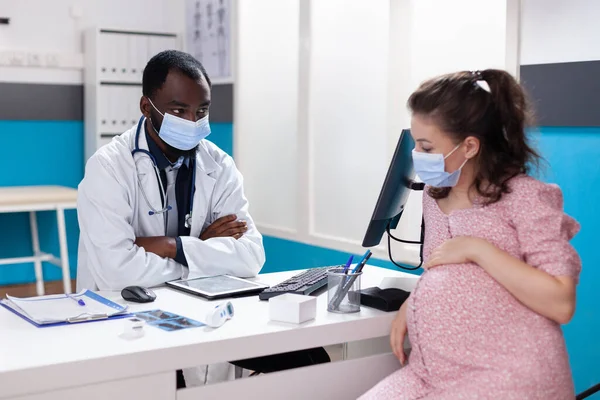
(158, 67)
(457, 104)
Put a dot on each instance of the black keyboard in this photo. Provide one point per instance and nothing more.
(304, 283)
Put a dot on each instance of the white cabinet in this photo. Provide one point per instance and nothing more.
(114, 64)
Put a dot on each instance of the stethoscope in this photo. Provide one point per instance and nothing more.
(165, 207)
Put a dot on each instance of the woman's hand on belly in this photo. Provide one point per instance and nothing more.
(458, 250)
(550, 296)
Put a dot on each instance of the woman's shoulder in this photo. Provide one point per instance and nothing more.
(524, 181)
(531, 199)
(525, 189)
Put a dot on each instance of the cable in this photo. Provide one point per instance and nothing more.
(390, 237)
(388, 230)
(395, 263)
(418, 186)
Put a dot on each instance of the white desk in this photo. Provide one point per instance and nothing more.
(91, 359)
(41, 198)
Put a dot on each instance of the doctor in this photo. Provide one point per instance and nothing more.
(159, 202)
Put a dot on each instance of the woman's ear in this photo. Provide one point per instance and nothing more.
(472, 146)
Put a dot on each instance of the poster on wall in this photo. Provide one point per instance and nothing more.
(208, 36)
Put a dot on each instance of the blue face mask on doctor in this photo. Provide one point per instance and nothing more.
(431, 169)
(181, 133)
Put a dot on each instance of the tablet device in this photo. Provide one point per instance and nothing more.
(215, 287)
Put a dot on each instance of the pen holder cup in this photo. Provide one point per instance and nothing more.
(343, 291)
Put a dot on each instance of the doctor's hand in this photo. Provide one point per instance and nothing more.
(399, 331)
(227, 226)
(162, 246)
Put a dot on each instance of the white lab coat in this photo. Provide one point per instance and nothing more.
(112, 213)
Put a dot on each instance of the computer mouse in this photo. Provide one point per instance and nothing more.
(138, 294)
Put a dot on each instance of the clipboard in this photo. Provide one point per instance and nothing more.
(60, 304)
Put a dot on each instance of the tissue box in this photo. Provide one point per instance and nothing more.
(293, 308)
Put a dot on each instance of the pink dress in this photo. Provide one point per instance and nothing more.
(471, 339)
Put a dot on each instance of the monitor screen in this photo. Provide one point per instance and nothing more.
(394, 192)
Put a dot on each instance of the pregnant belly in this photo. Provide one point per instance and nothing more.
(460, 317)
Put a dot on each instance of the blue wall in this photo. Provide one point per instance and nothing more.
(574, 158)
(222, 136)
(43, 153)
(285, 255)
(38, 153)
(49, 153)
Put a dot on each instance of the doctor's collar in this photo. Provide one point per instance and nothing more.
(162, 162)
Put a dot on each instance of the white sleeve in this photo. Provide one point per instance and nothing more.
(105, 218)
(225, 255)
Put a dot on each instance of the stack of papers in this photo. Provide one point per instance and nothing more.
(61, 308)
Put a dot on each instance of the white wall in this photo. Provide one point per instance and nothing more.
(56, 26)
(266, 109)
(347, 115)
(560, 31)
(434, 37)
(314, 163)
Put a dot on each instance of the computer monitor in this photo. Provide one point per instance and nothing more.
(394, 193)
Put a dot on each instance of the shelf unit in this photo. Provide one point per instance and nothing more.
(114, 64)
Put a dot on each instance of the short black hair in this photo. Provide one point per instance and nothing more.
(158, 68)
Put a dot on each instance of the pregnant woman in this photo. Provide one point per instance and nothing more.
(485, 318)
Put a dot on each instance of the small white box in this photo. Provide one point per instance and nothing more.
(293, 308)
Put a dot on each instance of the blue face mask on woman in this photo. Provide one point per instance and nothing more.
(181, 133)
(431, 169)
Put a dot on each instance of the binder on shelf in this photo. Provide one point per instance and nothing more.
(122, 58)
(103, 57)
(103, 117)
(134, 93)
(111, 51)
(138, 56)
(114, 103)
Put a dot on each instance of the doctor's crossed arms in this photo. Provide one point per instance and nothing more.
(227, 226)
(166, 247)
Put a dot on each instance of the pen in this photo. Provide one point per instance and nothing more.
(78, 301)
(348, 264)
(362, 261)
(346, 283)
